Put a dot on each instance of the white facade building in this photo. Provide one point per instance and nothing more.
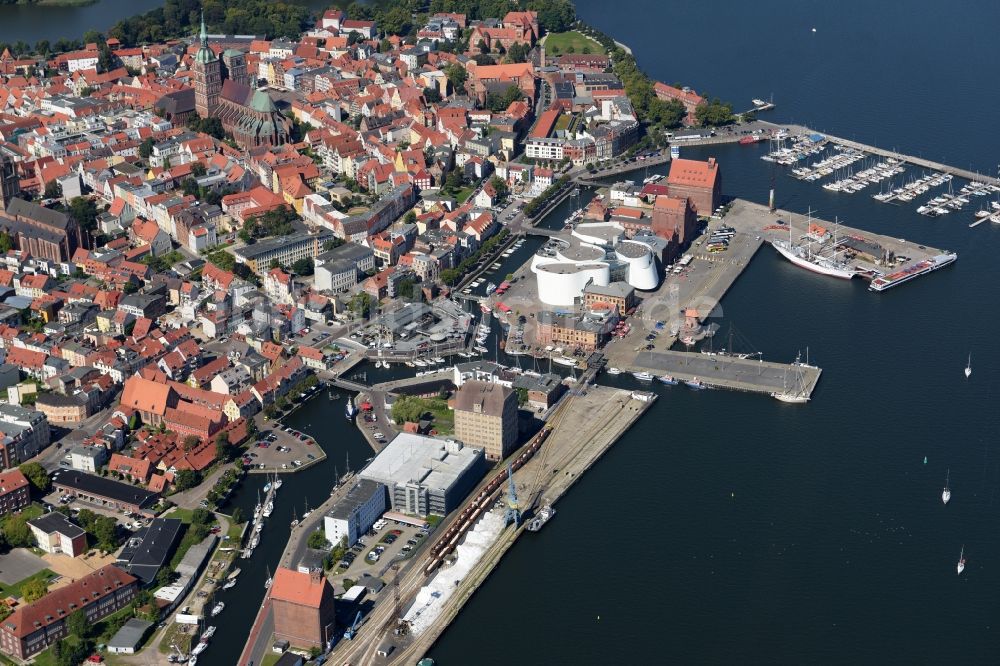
(595, 253)
(352, 516)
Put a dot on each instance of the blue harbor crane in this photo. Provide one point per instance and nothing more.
(352, 631)
(513, 514)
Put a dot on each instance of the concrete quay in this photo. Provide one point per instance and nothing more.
(731, 372)
(261, 632)
(751, 218)
(603, 414)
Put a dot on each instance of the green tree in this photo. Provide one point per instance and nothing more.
(190, 442)
(410, 217)
(317, 541)
(518, 52)
(396, 21)
(449, 276)
(522, 395)
(6, 242)
(186, 478)
(457, 76)
(146, 148)
(500, 186)
(237, 515)
(77, 624)
(405, 288)
(83, 210)
(432, 95)
(498, 102)
(202, 517)
(361, 304)
(53, 190)
(714, 113)
(106, 533)
(198, 169)
(303, 266)
(37, 475)
(17, 532)
(86, 518)
(408, 408)
(164, 576)
(223, 449)
(34, 589)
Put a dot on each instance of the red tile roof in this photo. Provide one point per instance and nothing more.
(79, 594)
(297, 588)
(694, 173)
(145, 395)
(11, 480)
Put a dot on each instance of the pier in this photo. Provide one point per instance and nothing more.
(909, 159)
(584, 428)
(731, 372)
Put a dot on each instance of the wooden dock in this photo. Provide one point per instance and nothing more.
(731, 372)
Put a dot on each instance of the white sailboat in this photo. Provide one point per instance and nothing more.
(946, 493)
(961, 561)
(968, 367)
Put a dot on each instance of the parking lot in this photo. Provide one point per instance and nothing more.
(278, 450)
(127, 520)
(378, 549)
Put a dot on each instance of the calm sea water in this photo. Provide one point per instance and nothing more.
(728, 528)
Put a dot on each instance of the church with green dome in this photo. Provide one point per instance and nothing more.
(248, 114)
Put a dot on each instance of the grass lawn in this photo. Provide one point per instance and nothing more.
(443, 419)
(433, 519)
(560, 42)
(174, 635)
(183, 515)
(15, 589)
(48, 658)
(464, 193)
(190, 538)
(270, 659)
(235, 531)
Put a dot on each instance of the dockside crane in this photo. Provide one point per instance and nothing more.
(513, 514)
(352, 631)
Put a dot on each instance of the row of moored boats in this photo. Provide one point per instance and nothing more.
(669, 380)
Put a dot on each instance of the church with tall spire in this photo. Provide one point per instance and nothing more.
(207, 73)
(224, 89)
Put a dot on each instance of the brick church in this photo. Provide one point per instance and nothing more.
(248, 114)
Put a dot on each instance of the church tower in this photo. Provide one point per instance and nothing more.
(207, 77)
(9, 185)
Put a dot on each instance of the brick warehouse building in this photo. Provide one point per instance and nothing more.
(701, 182)
(674, 219)
(303, 608)
(33, 627)
(486, 416)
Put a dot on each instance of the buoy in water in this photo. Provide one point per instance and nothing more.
(925, 460)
